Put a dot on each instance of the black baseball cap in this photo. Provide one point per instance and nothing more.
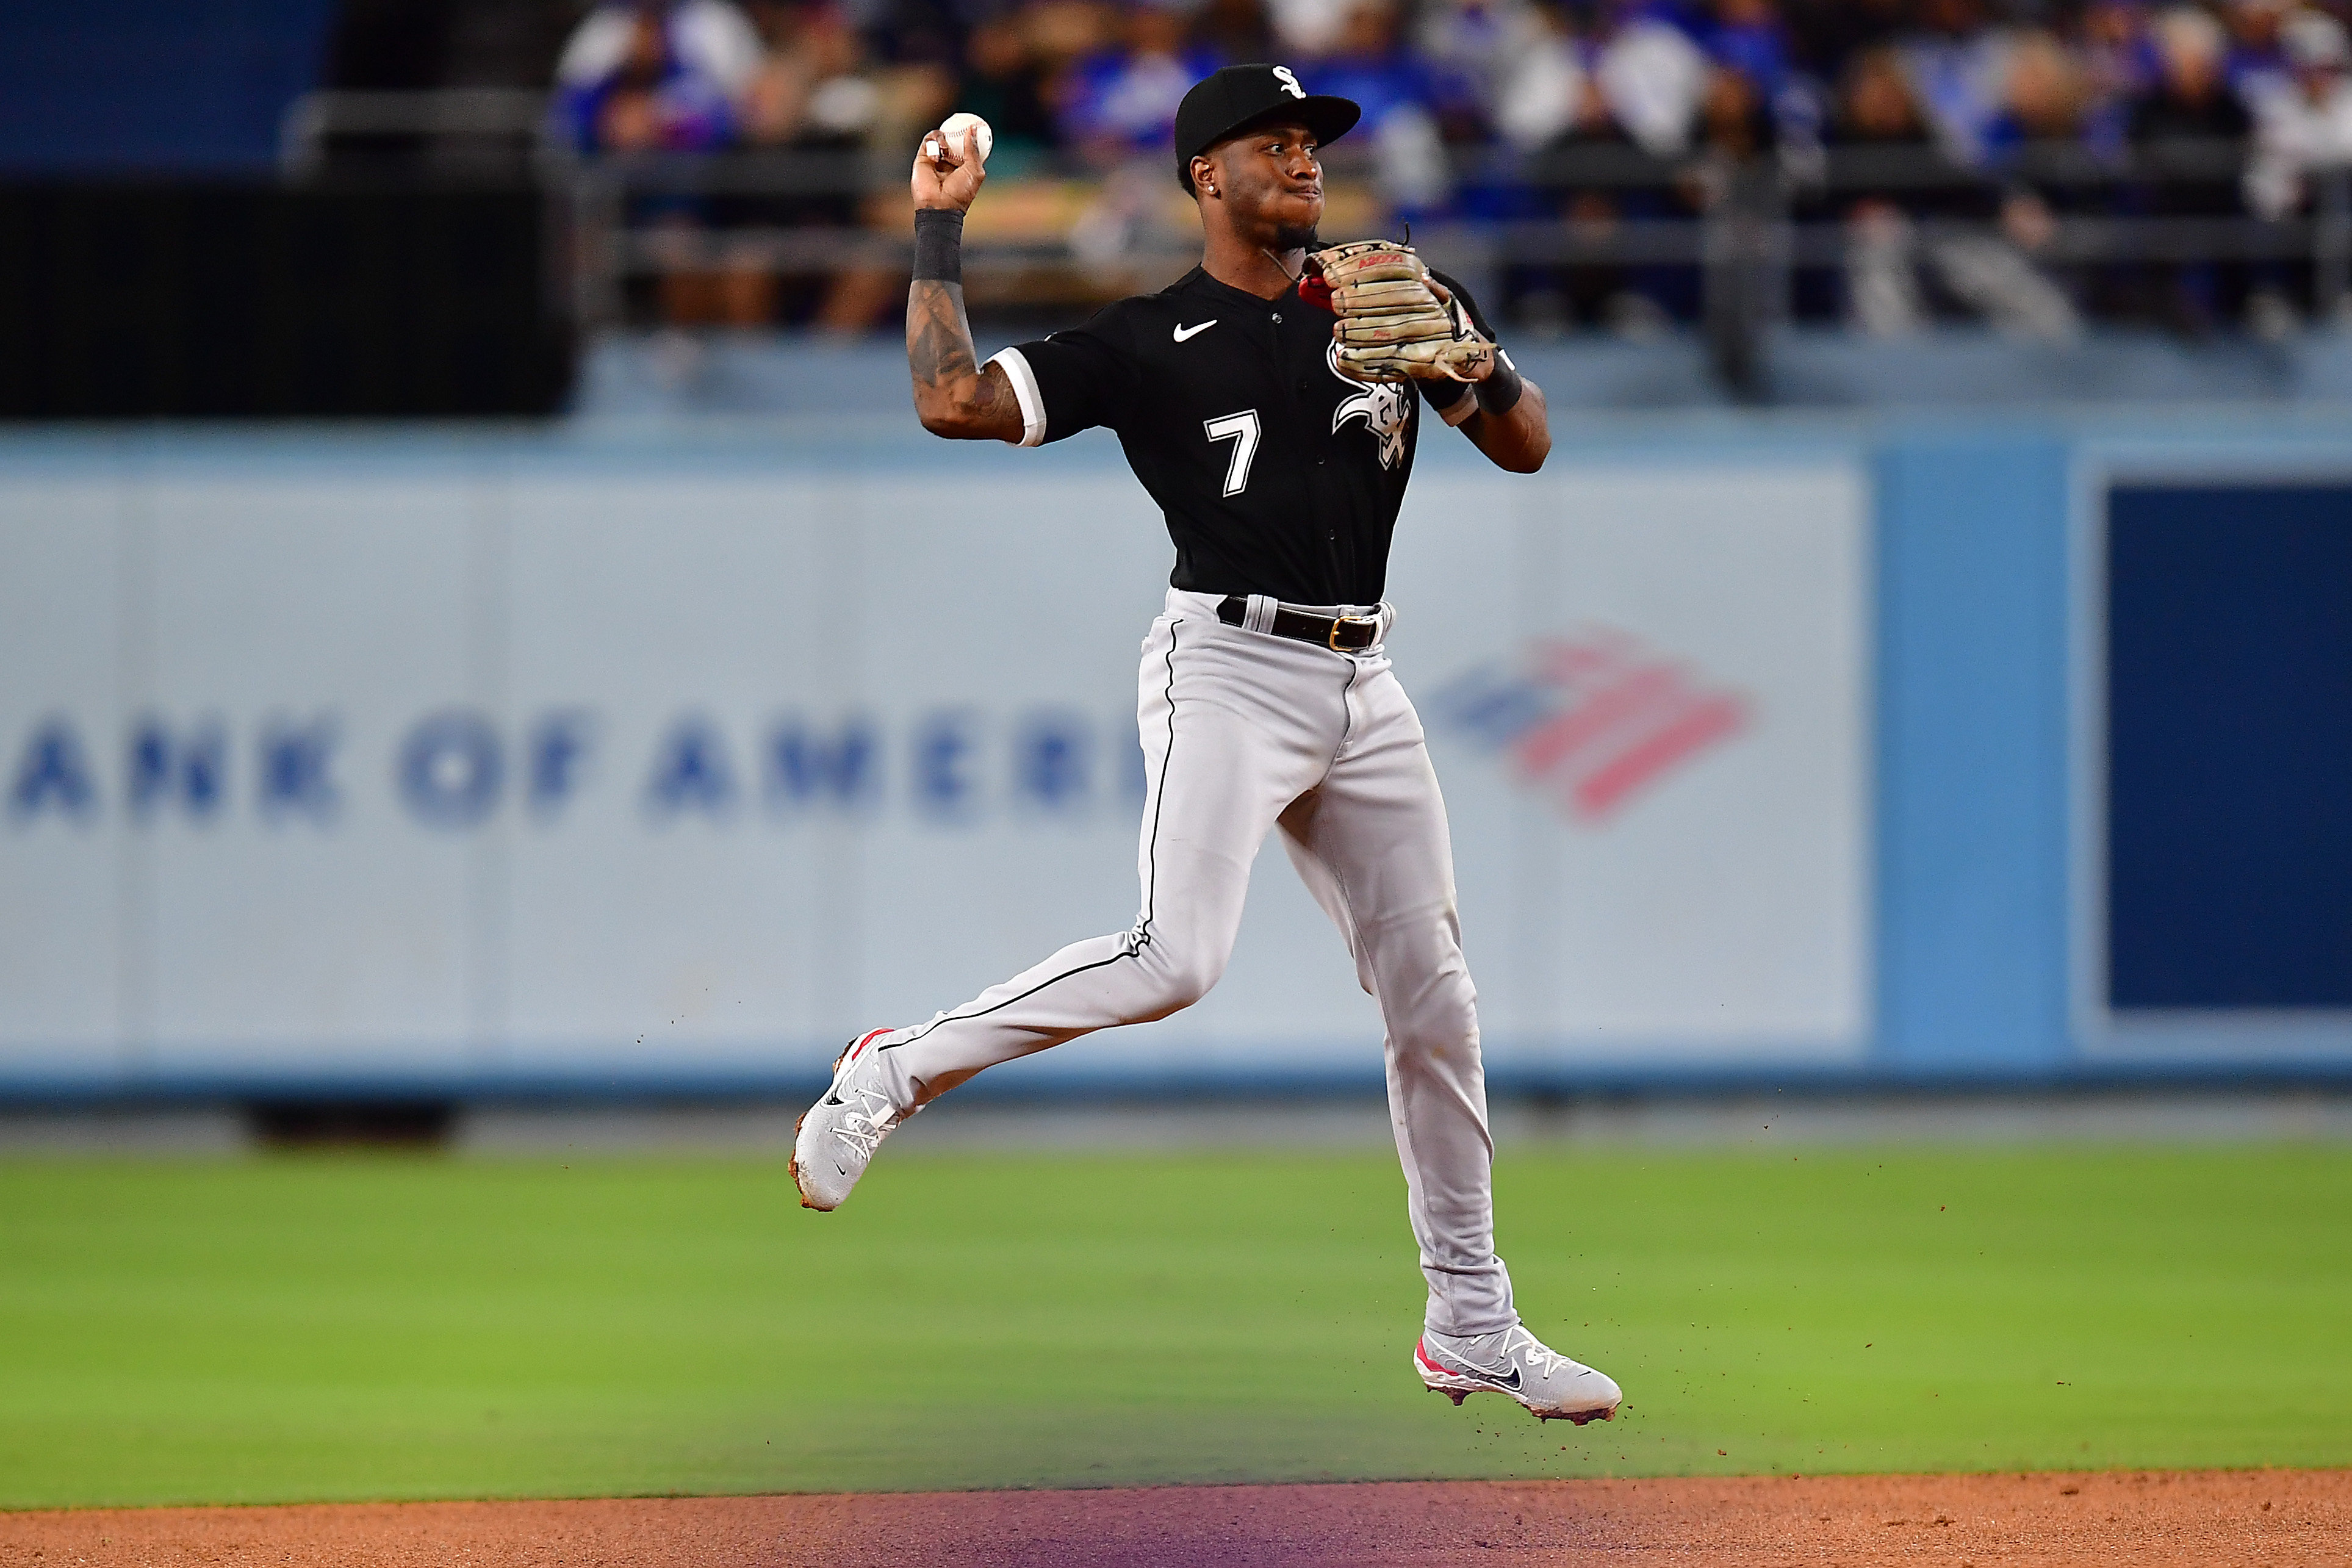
(1227, 102)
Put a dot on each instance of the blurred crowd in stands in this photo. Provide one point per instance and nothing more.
(1478, 109)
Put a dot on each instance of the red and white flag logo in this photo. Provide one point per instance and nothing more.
(1594, 717)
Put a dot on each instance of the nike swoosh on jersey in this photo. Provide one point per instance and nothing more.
(1186, 334)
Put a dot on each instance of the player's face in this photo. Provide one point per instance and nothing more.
(1272, 185)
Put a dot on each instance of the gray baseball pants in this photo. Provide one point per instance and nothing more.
(1243, 731)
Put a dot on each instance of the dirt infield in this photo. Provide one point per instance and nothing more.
(2200, 1517)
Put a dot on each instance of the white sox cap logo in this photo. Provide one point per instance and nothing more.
(1289, 82)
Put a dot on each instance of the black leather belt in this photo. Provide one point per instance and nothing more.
(1341, 634)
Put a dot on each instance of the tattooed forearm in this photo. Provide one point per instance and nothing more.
(954, 396)
(939, 342)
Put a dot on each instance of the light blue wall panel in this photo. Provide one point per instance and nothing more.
(1972, 707)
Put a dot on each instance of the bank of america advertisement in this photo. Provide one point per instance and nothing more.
(653, 770)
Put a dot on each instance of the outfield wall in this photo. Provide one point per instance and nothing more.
(664, 757)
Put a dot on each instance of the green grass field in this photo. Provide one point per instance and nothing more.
(350, 1327)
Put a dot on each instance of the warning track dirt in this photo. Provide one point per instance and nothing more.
(2141, 1518)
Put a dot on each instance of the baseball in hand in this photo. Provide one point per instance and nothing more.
(948, 138)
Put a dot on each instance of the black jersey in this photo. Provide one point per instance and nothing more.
(1277, 474)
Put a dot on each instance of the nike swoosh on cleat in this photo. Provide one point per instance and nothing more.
(1497, 1378)
(834, 1099)
(1463, 1369)
(1186, 334)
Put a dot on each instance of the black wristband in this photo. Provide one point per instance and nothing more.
(1443, 395)
(939, 245)
(1499, 393)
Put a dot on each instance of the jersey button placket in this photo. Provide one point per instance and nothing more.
(1332, 551)
(1313, 426)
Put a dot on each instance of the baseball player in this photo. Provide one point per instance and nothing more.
(1269, 402)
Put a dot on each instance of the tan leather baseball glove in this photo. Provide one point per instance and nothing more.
(1396, 321)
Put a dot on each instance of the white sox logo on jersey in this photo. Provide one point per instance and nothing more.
(1381, 406)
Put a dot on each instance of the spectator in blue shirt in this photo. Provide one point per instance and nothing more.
(1399, 95)
(1371, 66)
(2257, 66)
(652, 77)
(2119, 67)
(655, 76)
(1959, 71)
(1746, 35)
(1123, 103)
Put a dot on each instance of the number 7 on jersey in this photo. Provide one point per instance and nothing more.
(1241, 430)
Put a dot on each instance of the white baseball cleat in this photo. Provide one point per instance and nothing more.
(835, 1138)
(1514, 1361)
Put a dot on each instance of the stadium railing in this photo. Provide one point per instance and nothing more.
(450, 131)
(1740, 233)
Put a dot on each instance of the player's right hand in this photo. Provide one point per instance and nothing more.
(948, 176)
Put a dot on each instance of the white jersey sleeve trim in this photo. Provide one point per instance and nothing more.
(1024, 389)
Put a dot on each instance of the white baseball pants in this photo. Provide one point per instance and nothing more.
(1243, 731)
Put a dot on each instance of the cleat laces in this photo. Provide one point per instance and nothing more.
(867, 1122)
(1537, 1356)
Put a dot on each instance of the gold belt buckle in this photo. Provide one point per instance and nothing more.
(1339, 621)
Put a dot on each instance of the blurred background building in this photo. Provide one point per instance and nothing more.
(1924, 663)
